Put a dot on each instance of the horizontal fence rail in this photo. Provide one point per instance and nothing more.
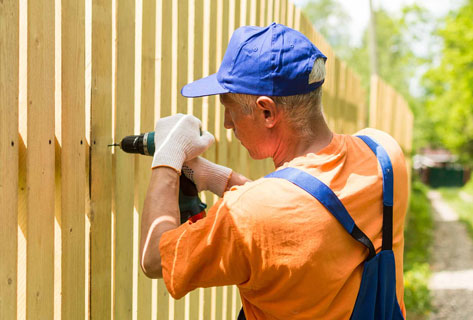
(77, 75)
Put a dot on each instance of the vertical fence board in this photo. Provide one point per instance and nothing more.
(220, 137)
(269, 13)
(40, 161)
(197, 57)
(373, 101)
(232, 148)
(195, 68)
(277, 11)
(208, 115)
(101, 162)
(182, 53)
(123, 183)
(180, 58)
(22, 152)
(290, 14)
(9, 148)
(73, 160)
(165, 26)
(143, 164)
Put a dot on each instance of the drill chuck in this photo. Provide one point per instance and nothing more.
(143, 144)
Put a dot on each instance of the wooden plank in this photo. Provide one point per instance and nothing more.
(182, 53)
(297, 18)
(40, 161)
(220, 135)
(101, 162)
(195, 67)
(146, 303)
(206, 305)
(290, 14)
(336, 93)
(163, 300)
(234, 18)
(261, 12)
(283, 14)
(277, 11)
(123, 180)
(9, 156)
(210, 66)
(198, 48)
(22, 140)
(373, 101)
(180, 40)
(164, 26)
(269, 13)
(236, 10)
(343, 105)
(22, 150)
(244, 15)
(222, 42)
(234, 306)
(73, 157)
(253, 15)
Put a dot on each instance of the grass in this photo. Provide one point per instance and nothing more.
(462, 208)
(418, 238)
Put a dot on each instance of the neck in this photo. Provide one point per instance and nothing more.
(288, 147)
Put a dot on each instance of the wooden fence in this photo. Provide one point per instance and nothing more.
(77, 75)
(390, 112)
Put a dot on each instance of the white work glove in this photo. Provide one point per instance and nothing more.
(177, 139)
(207, 175)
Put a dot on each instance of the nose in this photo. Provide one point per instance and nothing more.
(228, 122)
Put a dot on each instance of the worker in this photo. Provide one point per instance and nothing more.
(319, 238)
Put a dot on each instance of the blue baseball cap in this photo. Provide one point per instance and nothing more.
(273, 61)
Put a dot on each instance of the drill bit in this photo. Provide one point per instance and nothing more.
(114, 145)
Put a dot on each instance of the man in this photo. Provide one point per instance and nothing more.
(290, 256)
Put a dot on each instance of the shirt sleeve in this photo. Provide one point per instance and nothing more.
(206, 253)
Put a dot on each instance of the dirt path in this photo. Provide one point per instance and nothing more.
(452, 264)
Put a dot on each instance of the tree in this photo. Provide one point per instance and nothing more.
(449, 86)
(332, 21)
(406, 48)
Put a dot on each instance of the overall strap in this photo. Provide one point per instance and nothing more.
(388, 186)
(328, 199)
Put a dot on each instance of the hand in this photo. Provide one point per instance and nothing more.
(178, 138)
(207, 175)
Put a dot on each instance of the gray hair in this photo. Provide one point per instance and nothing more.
(303, 111)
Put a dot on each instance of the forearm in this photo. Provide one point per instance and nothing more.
(160, 214)
(236, 179)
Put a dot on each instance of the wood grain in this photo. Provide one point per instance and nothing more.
(9, 156)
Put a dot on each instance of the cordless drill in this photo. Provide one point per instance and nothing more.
(190, 205)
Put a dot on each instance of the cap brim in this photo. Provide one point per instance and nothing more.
(207, 86)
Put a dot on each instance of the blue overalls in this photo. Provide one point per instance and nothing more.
(377, 295)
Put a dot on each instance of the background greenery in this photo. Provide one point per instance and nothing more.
(413, 45)
(417, 249)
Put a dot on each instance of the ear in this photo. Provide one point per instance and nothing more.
(268, 110)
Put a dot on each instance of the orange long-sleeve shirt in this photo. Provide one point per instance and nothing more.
(289, 257)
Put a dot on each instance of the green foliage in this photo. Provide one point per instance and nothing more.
(418, 237)
(331, 20)
(416, 290)
(468, 188)
(450, 84)
(396, 37)
(396, 59)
